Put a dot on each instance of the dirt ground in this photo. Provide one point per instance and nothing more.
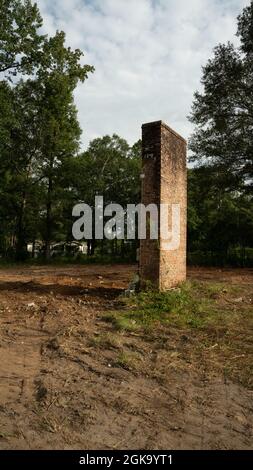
(63, 387)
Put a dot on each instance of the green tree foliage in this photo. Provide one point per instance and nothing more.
(20, 39)
(217, 220)
(112, 170)
(220, 185)
(223, 111)
(38, 124)
(109, 168)
(60, 132)
(43, 174)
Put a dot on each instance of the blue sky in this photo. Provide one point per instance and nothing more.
(147, 54)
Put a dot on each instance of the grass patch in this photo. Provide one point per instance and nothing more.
(127, 361)
(190, 304)
(193, 304)
(218, 317)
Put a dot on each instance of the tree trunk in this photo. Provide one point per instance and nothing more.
(49, 219)
(122, 248)
(21, 249)
(33, 249)
(93, 245)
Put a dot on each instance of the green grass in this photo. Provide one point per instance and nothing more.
(193, 304)
(127, 361)
(216, 316)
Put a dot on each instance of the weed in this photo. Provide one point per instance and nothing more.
(128, 361)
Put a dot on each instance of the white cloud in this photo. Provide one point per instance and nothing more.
(147, 54)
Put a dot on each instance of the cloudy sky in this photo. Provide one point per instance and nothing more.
(147, 55)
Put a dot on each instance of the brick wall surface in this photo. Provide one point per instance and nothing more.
(164, 181)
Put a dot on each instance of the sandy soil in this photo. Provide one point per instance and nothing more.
(62, 389)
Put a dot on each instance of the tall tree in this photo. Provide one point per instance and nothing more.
(7, 123)
(223, 112)
(38, 121)
(57, 77)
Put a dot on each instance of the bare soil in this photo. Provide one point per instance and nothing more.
(69, 381)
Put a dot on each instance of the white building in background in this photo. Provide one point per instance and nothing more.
(59, 249)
